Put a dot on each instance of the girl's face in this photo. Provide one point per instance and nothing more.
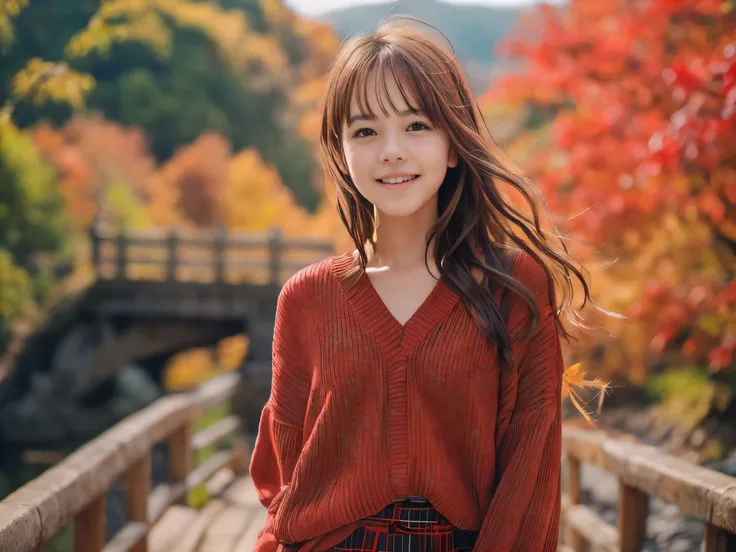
(383, 153)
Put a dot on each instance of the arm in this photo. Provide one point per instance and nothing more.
(279, 440)
(524, 512)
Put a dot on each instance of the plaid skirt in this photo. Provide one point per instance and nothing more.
(413, 525)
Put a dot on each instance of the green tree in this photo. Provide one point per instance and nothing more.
(31, 217)
(177, 68)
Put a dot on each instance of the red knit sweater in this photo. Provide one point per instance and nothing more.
(364, 411)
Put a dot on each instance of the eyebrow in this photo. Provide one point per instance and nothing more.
(363, 117)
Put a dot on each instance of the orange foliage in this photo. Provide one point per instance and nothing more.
(90, 155)
(189, 187)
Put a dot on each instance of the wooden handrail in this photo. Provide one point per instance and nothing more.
(643, 471)
(165, 248)
(75, 489)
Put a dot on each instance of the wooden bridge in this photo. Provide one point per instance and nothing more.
(159, 520)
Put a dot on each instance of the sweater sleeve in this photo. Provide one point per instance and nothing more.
(524, 512)
(279, 440)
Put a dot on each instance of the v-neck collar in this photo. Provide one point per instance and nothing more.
(373, 312)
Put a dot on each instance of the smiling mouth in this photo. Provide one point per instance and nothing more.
(397, 180)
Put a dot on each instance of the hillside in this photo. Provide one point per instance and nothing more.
(473, 30)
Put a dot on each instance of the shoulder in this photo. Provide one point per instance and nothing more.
(309, 282)
(529, 271)
(532, 274)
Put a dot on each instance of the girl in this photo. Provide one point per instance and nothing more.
(415, 395)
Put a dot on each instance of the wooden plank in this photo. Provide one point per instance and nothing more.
(162, 497)
(593, 528)
(564, 531)
(181, 455)
(63, 491)
(633, 510)
(138, 487)
(194, 533)
(89, 527)
(220, 482)
(247, 542)
(215, 433)
(21, 524)
(225, 530)
(584, 444)
(718, 540)
(696, 491)
(217, 390)
(167, 533)
(572, 535)
(130, 536)
(208, 468)
(243, 493)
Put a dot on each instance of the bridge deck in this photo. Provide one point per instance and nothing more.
(229, 522)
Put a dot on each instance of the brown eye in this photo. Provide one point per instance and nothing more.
(358, 132)
(419, 124)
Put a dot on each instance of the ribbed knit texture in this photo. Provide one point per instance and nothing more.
(364, 411)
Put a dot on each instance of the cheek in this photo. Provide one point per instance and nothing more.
(360, 162)
(439, 152)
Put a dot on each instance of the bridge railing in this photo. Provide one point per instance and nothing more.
(202, 255)
(643, 471)
(75, 489)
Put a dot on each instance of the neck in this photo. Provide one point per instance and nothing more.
(401, 241)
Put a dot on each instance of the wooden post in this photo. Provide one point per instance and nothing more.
(95, 239)
(89, 527)
(575, 540)
(137, 489)
(718, 540)
(219, 252)
(180, 456)
(172, 243)
(275, 246)
(122, 259)
(632, 518)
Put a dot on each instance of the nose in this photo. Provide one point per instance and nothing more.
(392, 150)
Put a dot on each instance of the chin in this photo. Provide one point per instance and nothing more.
(401, 209)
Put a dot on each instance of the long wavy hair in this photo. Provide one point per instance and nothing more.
(477, 228)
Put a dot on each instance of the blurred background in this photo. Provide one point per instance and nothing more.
(139, 141)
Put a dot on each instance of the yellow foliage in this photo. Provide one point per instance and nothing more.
(42, 80)
(255, 198)
(574, 377)
(231, 352)
(122, 20)
(8, 10)
(275, 13)
(188, 369)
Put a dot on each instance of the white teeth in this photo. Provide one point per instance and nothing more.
(397, 180)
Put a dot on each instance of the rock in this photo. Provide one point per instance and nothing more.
(69, 361)
(135, 389)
